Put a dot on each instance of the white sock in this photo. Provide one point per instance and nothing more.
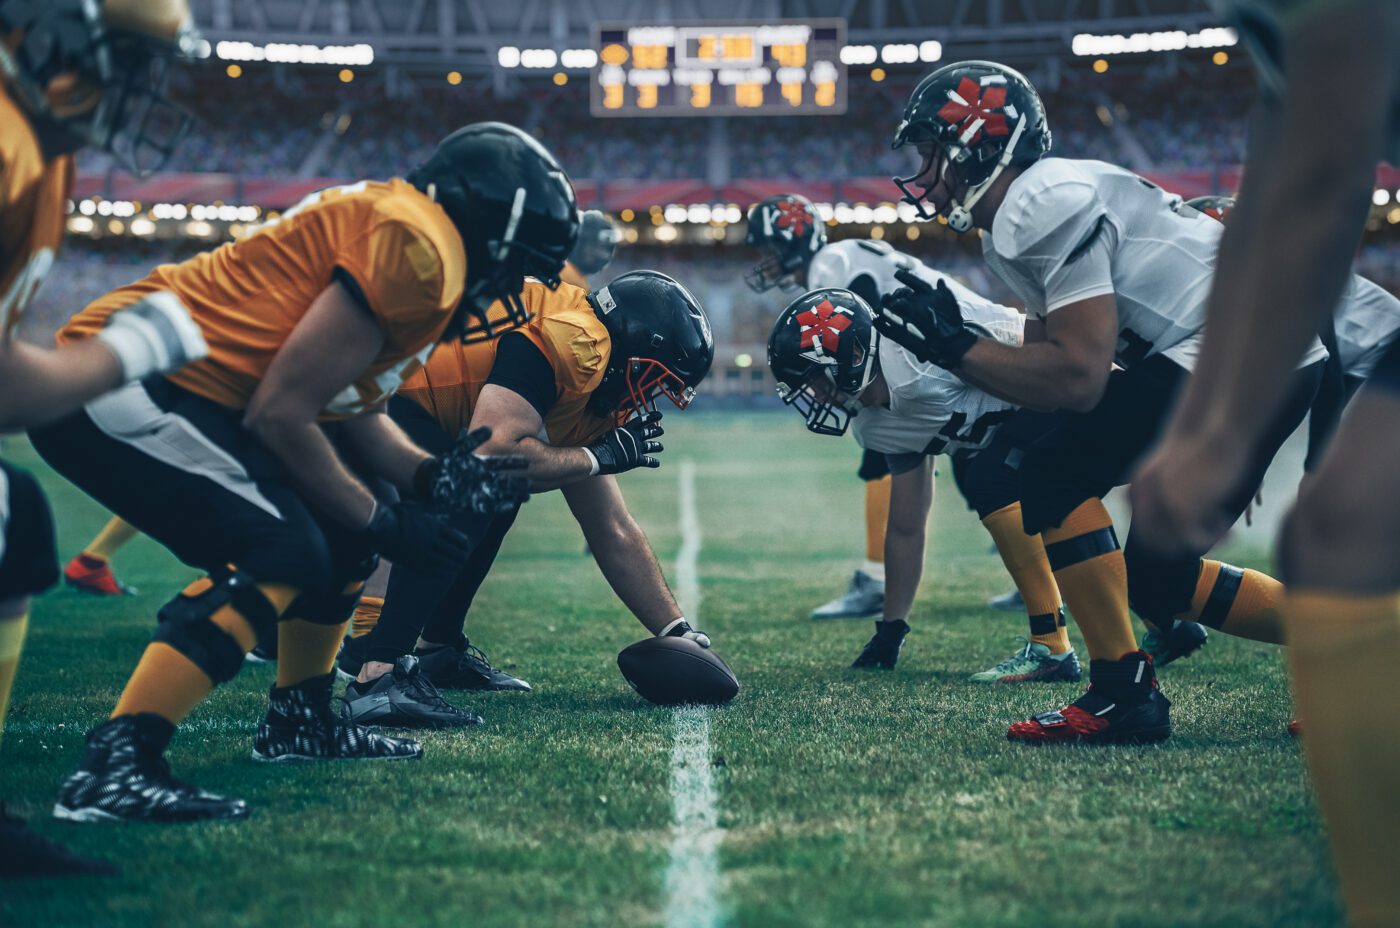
(875, 570)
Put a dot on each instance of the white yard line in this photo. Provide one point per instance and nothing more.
(692, 875)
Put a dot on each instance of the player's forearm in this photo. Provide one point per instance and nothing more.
(39, 385)
(1040, 375)
(316, 470)
(549, 467)
(385, 449)
(904, 568)
(631, 569)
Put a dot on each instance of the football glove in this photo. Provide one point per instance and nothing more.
(152, 336)
(406, 533)
(458, 480)
(681, 629)
(927, 321)
(630, 445)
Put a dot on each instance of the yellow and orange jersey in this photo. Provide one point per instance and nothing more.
(571, 337)
(33, 203)
(398, 248)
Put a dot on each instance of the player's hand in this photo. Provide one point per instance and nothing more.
(406, 533)
(630, 445)
(1180, 494)
(153, 335)
(925, 320)
(681, 629)
(459, 480)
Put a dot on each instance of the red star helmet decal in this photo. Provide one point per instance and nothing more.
(793, 217)
(823, 323)
(975, 110)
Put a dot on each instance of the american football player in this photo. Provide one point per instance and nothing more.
(259, 463)
(1285, 264)
(834, 368)
(574, 394)
(72, 74)
(1118, 270)
(790, 234)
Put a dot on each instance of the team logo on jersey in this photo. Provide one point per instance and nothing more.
(792, 217)
(822, 326)
(974, 110)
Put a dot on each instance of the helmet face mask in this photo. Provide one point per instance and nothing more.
(822, 352)
(789, 233)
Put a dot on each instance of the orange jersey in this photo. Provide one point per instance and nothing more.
(33, 204)
(397, 245)
(571, 337)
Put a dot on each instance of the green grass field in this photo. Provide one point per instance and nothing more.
(846, 798)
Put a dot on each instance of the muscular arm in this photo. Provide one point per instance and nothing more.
(622, 551)
(515, 429)
(1066, 369)
(333, 344)
(384, 448)
(911, 498)
(39, 385)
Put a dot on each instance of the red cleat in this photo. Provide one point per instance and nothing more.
(93, 575)
(1122, 706)
(1295, 728)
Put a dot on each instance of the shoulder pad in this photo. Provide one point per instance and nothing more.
(1047, 213)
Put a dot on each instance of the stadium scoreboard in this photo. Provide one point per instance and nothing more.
(704, 69)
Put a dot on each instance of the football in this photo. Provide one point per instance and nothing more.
(674, 671)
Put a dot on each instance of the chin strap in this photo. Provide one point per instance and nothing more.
(960, 215)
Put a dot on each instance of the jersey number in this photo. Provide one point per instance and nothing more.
(973, 436)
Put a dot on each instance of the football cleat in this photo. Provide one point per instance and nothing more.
(403, 698)
(1295, 729)
(94, 575)
(1122, 706)
(26, 853)
(1008, 602)
(124, 777)
(262, 654)
(1184, 639)
(300, 725)
(863, 598)
(463, 666)
(1032, 664)
(882, 650)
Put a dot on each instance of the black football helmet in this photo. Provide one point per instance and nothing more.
(822, 352)
(1215, 207)
(516, 212)
(980, 116)
(789, 231)
(661, 343)
(597, 241)
(90, 74)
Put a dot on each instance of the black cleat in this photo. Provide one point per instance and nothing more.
(404, 698)
(1184, 639)
(300, 725)
(124, 777)
(26, 853)
(1122, 706)
(463, 666)
(882, 650)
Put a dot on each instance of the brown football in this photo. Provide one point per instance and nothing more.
(673, 671)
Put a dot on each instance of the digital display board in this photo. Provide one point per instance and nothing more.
(773, 68)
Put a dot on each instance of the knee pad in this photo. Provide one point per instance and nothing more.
(323, 608)
(1159, 588)
(185, 625)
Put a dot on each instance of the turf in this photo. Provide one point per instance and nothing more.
(848, 798)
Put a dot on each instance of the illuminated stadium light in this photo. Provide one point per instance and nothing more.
(902, 53)
(142, 226)
(666, 233)
(578, 58)
(932, 50)
(886, 212)
(733, 214)
(539, 58)
(676, 213)
(907, 213)
(1089, 45)
(1380, 197)
(80, 225)
(858, 54)
(843, 213)
(862, 214)
(87, 207)
(825, 211)
(699, 213)
(289, 53)
(116, 226)
(743, 360)
(508, 56)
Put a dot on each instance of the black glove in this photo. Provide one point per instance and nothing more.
(406, 533)
(459, 481)
(681, 629)
(630, 445)
(926, 321)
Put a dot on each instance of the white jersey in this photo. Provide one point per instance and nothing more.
(1071, 230)
(1367, 321)
(930, 409)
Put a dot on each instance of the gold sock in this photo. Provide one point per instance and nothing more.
(12, 631)
(1024, 557)
(877, 517)
(366, 616)
(168, 683)
(1090, 572)
(1237, 601)
(306, 649)
(113, 536)
(1341, 651)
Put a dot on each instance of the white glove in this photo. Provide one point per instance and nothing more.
(680, 628)
(153, 335)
